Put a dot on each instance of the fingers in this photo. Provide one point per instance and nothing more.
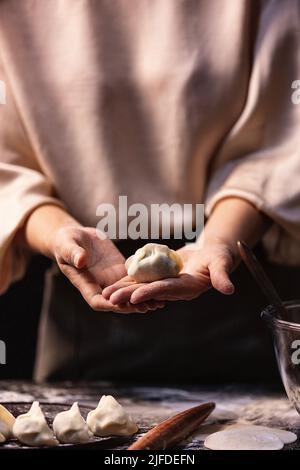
(123, 294)
(101, 304)
(71, 253)
(155, 304)
(84, 282)
(92, 294)
(124, 282)
(219, 276)
(183, 287)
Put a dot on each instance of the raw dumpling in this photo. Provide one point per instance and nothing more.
(4, 430)
(153, 262)
(32, 429)
(8, 419)
(110, 419)
(69, 426)
(243, 439)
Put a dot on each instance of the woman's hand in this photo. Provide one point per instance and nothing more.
(96, 267)
(203, 269)
(92, 264)
(207, 263)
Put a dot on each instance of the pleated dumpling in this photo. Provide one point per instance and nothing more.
(32, 429)
(153, 262)
(110, 419)
(70, 427)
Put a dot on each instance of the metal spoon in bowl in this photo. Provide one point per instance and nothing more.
(261, 278)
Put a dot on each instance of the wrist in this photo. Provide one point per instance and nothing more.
(210, 241)
(56, 234)
(42, 226)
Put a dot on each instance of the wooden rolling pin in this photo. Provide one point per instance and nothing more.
(174, 429)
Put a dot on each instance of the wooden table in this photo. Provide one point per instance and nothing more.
(150, 405)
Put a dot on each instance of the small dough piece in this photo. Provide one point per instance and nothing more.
(110, 419)
(287, 437)
(32, 429)
(7, 418)
(2, 438)
(70, 427)
(243, 439)
(153, 262)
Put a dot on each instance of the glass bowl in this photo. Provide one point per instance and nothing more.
(286, 337)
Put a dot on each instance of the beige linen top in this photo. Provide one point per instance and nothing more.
(159, 100)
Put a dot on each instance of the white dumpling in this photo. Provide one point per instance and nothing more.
(243, 439)
(7, 421)
(110, 419)
(153, 262)
(5, 430)
(70, 427)
(32, 429)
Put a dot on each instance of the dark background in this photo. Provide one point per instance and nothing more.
(20, 310)
(19, 315)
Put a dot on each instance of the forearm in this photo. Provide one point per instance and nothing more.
(235, 219)
(40, 227)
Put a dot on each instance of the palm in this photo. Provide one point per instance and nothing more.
(101, 264)
(200, 267)
(104, 263)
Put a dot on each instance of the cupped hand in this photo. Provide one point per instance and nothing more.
(203, 268)
(93, 264)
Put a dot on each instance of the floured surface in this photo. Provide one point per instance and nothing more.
(151, 405)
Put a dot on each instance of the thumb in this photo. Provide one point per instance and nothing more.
(73, 254)
(219, 276)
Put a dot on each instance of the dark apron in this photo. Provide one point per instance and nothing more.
(214, 338)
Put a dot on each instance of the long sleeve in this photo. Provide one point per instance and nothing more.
(260, 158)
(23, 187)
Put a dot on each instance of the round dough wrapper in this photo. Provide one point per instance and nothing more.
(243, 439)
(287, 437)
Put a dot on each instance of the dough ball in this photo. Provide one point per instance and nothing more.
(153, 262)
(70, 427)
(32, 429)
(243, 439)
(110, 419)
